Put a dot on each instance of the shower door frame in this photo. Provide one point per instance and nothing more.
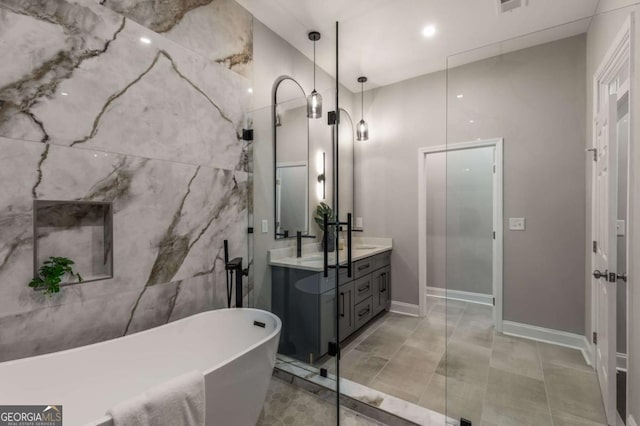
(498, 206)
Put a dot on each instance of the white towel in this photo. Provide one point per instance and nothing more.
(178, 402)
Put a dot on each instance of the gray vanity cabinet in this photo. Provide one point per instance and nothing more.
(363, 288)
(306, 303)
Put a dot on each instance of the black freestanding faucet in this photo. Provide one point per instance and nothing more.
(232, 267)
(299, 244)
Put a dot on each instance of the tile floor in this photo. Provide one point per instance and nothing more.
(490, 378)
(290, 405)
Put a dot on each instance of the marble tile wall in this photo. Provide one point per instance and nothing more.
(135, 102)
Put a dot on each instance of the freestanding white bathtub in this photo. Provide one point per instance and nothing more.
(235, 356)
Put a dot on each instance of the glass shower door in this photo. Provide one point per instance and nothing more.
(523, 348)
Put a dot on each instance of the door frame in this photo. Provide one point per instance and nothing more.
(620, 52)
(498, 223)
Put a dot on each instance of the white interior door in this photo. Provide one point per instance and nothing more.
(604, 257)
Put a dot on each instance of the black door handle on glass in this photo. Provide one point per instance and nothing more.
(349, 245)
(325, 248)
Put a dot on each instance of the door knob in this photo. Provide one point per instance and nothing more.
(597, 274)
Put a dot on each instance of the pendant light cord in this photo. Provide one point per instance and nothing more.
(362, 100)
(314, 65)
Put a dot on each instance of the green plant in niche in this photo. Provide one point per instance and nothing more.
(321, 210)
(51, 273)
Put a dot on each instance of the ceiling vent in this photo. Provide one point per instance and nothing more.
(509, 5)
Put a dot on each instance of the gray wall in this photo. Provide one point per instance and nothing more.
(601, 34)
(535, 99)
(402, 117)
(274, 57)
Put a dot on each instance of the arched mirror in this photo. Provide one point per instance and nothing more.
(291, 158)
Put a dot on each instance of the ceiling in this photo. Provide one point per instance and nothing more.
(383, 39)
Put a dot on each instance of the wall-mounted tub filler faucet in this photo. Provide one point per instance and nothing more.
(234, 267)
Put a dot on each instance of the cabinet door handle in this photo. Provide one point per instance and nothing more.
(363, 267)
(364, 312)
(364, 288)
(383, 281)
(342, 308)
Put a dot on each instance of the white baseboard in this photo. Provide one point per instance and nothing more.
(631, 421)
(619, 421)
(621, 361)
(405, 308)
(547, 335)
(589, 352)
(465, 296)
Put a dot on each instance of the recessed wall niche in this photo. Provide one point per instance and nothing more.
(79, 230)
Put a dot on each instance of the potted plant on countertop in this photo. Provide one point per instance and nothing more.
(321, 210)
(51, 274)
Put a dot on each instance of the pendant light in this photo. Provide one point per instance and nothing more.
(314, 100)
(362, 130)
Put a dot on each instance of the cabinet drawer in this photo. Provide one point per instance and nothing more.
(364, 312)
(382, 260)
(363, 267)
(363, 288)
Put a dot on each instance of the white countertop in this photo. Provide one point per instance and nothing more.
(312, 256)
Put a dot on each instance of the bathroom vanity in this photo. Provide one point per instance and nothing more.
(305, 300)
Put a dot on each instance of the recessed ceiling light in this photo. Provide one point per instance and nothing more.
(64, 93)
(429, 31)
(471, 121)
(250, 90)
(145, 40)
(460, 96)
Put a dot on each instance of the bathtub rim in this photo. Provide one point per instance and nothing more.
(152, 329)
(107, 418)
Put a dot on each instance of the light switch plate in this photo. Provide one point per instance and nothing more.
(359, 222)
(265, 226)
(516, 223)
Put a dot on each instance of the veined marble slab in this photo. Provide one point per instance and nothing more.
(82, 75)
(97, 105)
(312, 256)
(220, 30)
(170, 220)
